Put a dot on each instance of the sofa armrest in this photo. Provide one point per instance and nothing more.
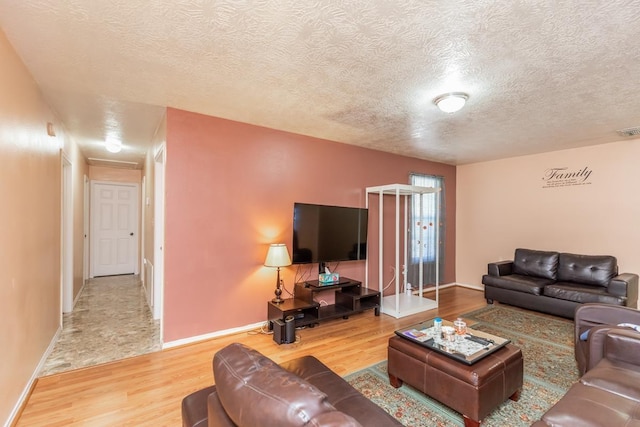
(622, 345)
(500, 268)
(589, 315)
(596, 344)
(625, 285)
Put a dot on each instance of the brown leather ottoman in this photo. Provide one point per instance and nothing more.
(472, 390)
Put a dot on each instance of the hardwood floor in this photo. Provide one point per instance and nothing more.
(148, 389)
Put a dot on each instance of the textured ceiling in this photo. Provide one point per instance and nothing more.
(541, 75)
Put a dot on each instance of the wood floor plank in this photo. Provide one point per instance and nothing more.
(148, 389)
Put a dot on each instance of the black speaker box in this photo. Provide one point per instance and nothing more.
(289, 330)
(278, 331)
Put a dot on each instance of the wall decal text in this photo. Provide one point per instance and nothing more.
(565, 177)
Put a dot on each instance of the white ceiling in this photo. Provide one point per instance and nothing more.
(541, 75)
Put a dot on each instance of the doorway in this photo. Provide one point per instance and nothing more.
(85, 230)
(158, 237)
(66, 294)
(114, 228)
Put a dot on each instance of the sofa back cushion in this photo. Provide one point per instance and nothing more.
(255, 391)
(595, 270)
(529, 262)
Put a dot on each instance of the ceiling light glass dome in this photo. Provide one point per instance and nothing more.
(451, 102)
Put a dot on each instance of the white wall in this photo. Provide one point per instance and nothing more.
(503, 205)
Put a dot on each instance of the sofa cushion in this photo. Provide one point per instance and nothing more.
(581, 293)
(594, 270)
(592, 406)
(518, 282)
(254, 391)
(529, 262)
(615, 377)
(333, 419)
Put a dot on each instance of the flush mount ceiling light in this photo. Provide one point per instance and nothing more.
(113, 145)
(451, 102)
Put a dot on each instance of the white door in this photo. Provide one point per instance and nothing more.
(114, 230)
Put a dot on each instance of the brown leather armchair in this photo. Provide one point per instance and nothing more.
(598, 320)
(609, 393)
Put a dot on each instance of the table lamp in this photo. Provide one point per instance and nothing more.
(277, 256)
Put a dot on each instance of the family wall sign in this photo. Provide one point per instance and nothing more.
(565, 177)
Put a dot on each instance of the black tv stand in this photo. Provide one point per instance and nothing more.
(350, 298)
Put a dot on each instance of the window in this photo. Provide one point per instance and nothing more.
(422, 247)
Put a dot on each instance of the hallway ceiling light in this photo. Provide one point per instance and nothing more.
(113, 145)
(451, 102)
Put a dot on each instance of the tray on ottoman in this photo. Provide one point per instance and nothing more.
(474, 390)
(469, 348)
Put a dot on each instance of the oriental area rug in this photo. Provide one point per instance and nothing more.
(549, 370)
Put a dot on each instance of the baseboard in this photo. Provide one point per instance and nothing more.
(231, 331)
(431, 288)
(147, 283)
(450, 285)
(22, 400)
(75, 300)
(211, 335)
(474, 287)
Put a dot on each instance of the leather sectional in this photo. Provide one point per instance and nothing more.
(252, 390)
(608, 394)
(557, 283)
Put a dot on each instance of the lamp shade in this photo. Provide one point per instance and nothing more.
(277, 256)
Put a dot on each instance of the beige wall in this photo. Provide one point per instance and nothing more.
(30, 219)
(99, 173)
(503, 205)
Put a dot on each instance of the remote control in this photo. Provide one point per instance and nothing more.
(477, 340)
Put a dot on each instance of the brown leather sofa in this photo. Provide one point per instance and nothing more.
(608, 394)
(252, 390)
(558, 283)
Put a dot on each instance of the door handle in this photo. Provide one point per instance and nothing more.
(130, 234)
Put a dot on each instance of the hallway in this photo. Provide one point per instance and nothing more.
(110, 321)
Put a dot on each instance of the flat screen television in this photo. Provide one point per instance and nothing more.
(324, 233)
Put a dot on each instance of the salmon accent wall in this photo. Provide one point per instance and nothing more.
(230, 190)
(520, 202)
(30, 184)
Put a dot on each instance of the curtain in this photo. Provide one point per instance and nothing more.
(423, 250)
